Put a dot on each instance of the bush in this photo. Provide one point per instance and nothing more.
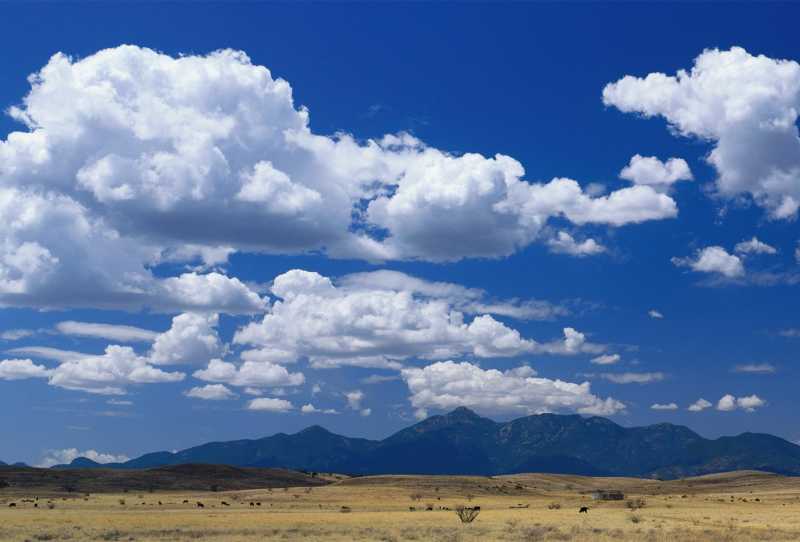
(554, 506)
(468, 514)
(635, 504)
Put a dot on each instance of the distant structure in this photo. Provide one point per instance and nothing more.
(608, 495)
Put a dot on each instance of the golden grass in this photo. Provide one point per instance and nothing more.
(740, 507)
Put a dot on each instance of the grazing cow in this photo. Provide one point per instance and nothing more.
(200, 505)
(159, 503)
(12, 505)
(258, 504)
(584, 510)
(185, 501)
(252, 504)
(225, 504)
(36, 505)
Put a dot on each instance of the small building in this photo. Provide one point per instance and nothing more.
(608, 495)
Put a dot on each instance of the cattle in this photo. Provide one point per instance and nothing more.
(200, 505)
(12, 505)
(258, 504)
(252, 504)
(185, 501)
(225, 504)
(584, 510)
(159, 503)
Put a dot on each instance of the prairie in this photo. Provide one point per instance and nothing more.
(740, 506)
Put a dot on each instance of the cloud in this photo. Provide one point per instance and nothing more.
(250, 374)
(311, 409)
(211, 392)
(56, 254)
(564, 243)
(650, 171)
(125, 334)
(467, 300)
(270, 404)
(713, 259)
(124, 154)
(764, 368)
(606, 359)
(632, 378)
(746, 105)
(192, 339)
(754, 246)
(448, 384)
(652, 313)
(46, 352)
(16, 334)
(67, 455)
(790, 332)
(699, 405)
(119, 402)
(363, 325)
(354, 399)
(667, 406)
(378, 379)
(109, 373)
(749, 403)
(21, 369)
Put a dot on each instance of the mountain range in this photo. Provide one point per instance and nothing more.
(462, 442)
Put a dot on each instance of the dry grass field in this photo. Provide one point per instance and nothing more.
(742, 506)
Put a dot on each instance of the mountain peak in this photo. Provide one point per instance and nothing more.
(314, 430)
(463, 413)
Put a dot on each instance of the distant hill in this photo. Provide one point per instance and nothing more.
(170, 478)
(463, 442)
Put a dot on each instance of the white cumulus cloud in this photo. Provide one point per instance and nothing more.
(270, 404)
(360, 324)
(748, 403)
(447, 384)
(67, 455)
(664, 406)
(747, 105)
(211, 392)
(713, 259)
(650, 171)
(754, 246)
(123, 155)
(699, 405)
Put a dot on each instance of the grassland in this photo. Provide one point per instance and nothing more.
(741, 506)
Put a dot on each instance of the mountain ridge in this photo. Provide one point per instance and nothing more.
(462, 442)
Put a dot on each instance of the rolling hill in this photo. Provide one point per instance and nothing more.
(463, 442)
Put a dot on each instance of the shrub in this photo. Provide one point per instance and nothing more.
(554, 506)
(468, 514)
(635, 504)
(345, 510)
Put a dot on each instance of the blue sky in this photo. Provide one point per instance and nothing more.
(164, 187)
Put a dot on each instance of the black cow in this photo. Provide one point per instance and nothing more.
(584, 510)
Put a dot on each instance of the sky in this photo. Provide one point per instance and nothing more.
(224, 221)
